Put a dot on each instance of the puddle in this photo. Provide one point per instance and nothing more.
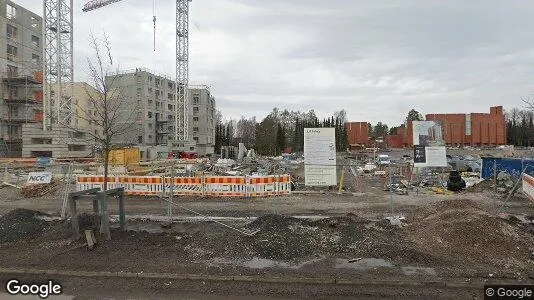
(363, 264)
(412, 271)
(261, 263)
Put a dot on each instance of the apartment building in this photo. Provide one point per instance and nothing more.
(151, 96)
(77, 141)
(202, 119)
(20, 73)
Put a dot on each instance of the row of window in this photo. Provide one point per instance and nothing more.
(12, 32)
(13, 54)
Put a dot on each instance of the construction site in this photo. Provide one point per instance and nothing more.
(121, 188)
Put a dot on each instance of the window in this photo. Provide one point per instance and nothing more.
(150, 115)
(11, 52)
(35, 41)
(170, 85)
(34, 22)
(149, 136)
(195, 109)
(35, 58)
(150, 79)
(195, 139)
(14, 71)
(196, 100)
(149, 126)
(150, 91)
(140, 139)
(170, 128)
(157, 81)
(169, 106)
(11, 31)
(170, 96)
(195, 119)
(150, 102)
(195, 129)
(158, 104)
(11, 11)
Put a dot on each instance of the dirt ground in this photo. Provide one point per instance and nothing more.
(318, 246)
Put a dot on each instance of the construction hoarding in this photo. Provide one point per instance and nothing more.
(320, 156)
(429, 145)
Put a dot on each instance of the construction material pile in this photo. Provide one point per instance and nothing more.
(20, 223)
(40, 189)
(459, 231)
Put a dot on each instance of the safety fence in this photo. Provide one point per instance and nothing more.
(217, 186)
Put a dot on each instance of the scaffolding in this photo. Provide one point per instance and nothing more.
(22, 102)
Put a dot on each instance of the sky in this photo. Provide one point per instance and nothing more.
(374, 59)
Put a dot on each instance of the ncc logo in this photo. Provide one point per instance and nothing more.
(39, 177)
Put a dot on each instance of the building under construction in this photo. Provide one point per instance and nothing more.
(21, 76)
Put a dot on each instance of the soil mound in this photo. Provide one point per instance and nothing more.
(460, 231)
(20, 223)
(290, 239)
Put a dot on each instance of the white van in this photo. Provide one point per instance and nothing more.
(383, 159)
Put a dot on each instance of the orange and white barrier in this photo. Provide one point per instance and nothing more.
(229, 186)
(86, 182)
(262, 186)
(221, 186)
(140, 185)
(184, 185)
(283, 184)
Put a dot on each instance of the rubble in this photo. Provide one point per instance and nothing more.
(41, 189)
(20, 223)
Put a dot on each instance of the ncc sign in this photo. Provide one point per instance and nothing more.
(39, 177)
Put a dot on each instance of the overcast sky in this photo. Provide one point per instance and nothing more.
(375, 59)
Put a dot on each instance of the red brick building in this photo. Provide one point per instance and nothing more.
(475, 129)
(358, 134)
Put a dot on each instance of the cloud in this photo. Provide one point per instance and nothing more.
(375, 59)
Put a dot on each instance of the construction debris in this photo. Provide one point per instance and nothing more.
(41, 189)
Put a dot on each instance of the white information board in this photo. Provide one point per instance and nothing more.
(320, 156)
(39, 177)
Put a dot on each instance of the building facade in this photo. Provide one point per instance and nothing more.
(474, 129)
(202, 119)
(151, 96)
(21, 76)
(78, 141)
(357, 134)
(459, 130)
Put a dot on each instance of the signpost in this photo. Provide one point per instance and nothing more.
(320, 156)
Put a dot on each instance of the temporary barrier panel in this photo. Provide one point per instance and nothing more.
(283, 184)
(229, 186)
(141, 185)
(528, 186)
(184, 185)
(86, 182)
(512, 166)
(262, 186)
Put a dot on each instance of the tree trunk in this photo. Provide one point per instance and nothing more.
(106, 166)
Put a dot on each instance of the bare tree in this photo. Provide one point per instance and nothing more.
(107, 117)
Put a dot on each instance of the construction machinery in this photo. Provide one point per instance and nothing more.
(58, 38)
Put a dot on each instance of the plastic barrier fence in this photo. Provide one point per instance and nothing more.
(229, 186)
(140, 185)
(219, 186)
(262, 186)
(184, 185)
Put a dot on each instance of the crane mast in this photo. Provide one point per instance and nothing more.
(58, 71)
(181, 99)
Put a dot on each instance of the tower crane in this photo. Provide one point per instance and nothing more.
(57, 20)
